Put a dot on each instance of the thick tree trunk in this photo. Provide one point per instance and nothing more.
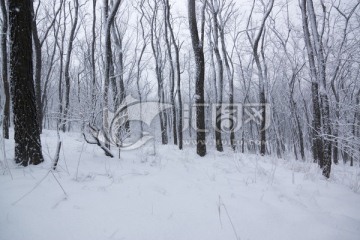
(200, 75)
(317, 139)
(109, 18)
(321, 121)
(27, 134)
(325, 109)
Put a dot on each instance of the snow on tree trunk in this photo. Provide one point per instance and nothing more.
(200, 75)
(27, 133)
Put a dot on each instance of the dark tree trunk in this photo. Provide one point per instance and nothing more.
(4, 69)
(321, 79)
(327, 144)
(317, 139)
(301, 138)
(200, 75)
(27, 134)
(60, 86)
(262, 130)
(317, 143)
(38, 65)
(295, 115)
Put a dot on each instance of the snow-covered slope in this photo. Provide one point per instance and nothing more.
(174, 195)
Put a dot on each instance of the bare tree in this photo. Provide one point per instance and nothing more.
(322, 147)
(176, 46)
(109, 19)
(38, 43)
(337, 76)
(93, 63)
(261, 67)
(167, 28)
(74, 22)
(214, 11)
(156, 30)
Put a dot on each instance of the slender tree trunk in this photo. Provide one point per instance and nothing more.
(220, 84)
(93, 68)
(138, 73)
(27, 134)
(172, 71)
(67, 65)
(295, 116)
(156, 49)
(38, 59)
(60, 86)
(38, 66)
(44, 98)
(230, 77)
(178, 79)
(262, 74)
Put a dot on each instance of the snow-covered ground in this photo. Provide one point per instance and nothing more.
(174, 195)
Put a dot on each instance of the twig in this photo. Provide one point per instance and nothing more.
(77, 168)
(37, 184)
(221, 204)
(59, 184)
(57, 155)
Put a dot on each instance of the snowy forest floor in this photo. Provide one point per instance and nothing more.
(174, 195)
